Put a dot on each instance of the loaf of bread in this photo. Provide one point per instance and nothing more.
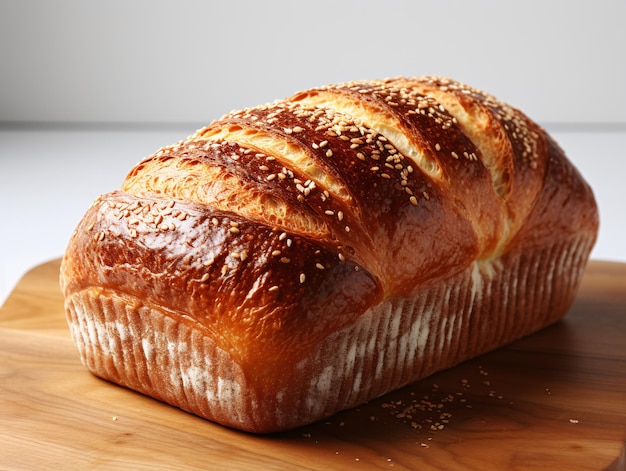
(299, 258)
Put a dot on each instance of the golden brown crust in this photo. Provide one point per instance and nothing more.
(234, 279)
(267, 234)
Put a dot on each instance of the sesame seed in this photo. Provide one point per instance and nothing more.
(276, 253)
(302, 277)
(454, 154)
(437, 147)
(340, 215)
(285, 260)
(271, 177)
(319, 266)
(341, 257)
(273, 288)
(234, 230)
(413, 200)
(204, 278)
(329, 153)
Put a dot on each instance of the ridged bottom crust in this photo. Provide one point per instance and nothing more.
(142, 347)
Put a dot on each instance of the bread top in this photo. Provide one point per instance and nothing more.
(286, 221)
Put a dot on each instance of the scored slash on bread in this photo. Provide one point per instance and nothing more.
(294, 259)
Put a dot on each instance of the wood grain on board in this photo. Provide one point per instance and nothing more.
(553, 400)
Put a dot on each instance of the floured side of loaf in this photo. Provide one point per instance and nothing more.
(299, 258)
(129, 342)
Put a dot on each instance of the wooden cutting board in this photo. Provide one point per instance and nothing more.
(554, 400)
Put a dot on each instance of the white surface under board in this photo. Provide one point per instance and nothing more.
(48, 178)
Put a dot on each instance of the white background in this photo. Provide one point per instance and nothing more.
(87, 89)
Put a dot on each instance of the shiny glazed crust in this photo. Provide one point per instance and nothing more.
(295, 259)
